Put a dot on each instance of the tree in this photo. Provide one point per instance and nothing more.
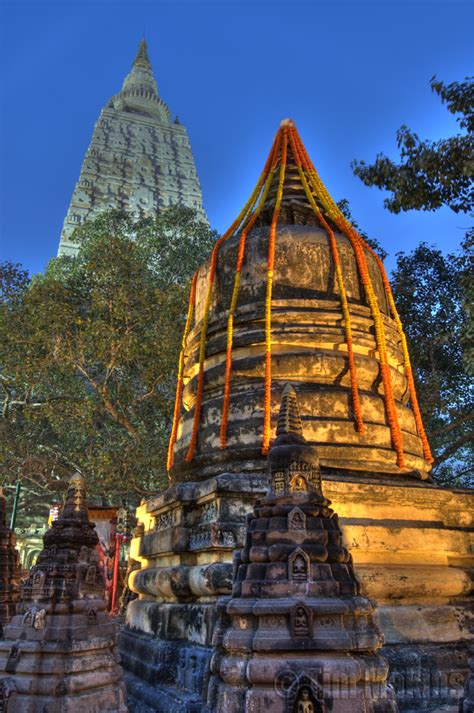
(428, 288)
(88, 355)
(434, 292)
(430, 174)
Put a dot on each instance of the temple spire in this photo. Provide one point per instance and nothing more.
(75, 504)
(140, 81)
(142, 59)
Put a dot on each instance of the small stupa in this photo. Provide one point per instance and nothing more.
(59, 652)
(9, 568)
(301, 636)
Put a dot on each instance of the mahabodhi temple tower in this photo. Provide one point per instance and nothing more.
(138, 160)
(292, 297)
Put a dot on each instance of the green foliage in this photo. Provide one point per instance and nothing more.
(88, 355)
(430, 174)
(428, 289)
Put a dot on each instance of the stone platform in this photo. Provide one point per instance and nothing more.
(412, 545)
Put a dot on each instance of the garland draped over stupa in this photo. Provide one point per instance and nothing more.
(290, 191)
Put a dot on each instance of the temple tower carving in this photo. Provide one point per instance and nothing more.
(138, 160)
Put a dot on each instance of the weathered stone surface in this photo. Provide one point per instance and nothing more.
(59, 652)
(411, 544)
(9, 569)
(296, 611)
(309, 350)
(138, 159)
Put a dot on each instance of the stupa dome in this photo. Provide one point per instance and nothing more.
(292, 293)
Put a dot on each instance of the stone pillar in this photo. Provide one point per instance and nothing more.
(59, 651)
(9, 568)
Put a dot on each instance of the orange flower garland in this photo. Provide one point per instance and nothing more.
(180, 383)
(271, 164)
(241, 218)
(342, 291)
(356, 242)
(268, 300)
(406, 360)
(287, 138)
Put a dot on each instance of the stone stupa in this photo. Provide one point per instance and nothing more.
(59, 651)
(301, 636)
(292, 294)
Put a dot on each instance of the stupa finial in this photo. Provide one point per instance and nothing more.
(75, 504)
(289, 419)
(142, 59)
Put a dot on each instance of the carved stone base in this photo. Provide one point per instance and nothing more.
(412, 549)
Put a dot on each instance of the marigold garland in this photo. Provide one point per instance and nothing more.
(180, 379)
(356, 242)
(270, 168)
(314, 189)
(241, 218)
(268, 300)
(406, 359)
(340, 281)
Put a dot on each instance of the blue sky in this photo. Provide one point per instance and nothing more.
(348, 73)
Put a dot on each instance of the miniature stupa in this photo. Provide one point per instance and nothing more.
(9, 569)
(59, 652)
(297, 616)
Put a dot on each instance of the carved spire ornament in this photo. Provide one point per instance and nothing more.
(59, 652)
(297, 619)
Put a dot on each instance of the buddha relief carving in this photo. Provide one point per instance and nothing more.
(304, 703)
(298, 566)
(300, 621)
(299, 485)
(296, 519)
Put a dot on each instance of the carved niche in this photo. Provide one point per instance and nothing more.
(298, 566)
(91, 575)
(296, 519)
(29, 616)
(13, 658)
(301, 622)
(299, 485)
(38, 582)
